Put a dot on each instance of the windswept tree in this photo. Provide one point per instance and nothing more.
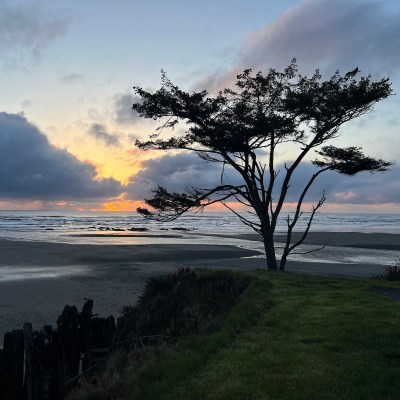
(244, 128)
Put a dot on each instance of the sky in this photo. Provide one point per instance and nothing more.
(67, 70)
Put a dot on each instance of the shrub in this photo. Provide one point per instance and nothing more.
(390, 273)
(179, 304)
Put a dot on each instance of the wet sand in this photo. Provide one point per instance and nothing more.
(114, 275)
(382, 241)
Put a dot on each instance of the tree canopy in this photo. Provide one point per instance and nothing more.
(243, 128)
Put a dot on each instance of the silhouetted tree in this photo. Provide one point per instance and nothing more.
(242, 128)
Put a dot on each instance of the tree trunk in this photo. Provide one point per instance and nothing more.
(283, 262)
(270, 253)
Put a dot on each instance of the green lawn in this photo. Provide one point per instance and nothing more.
(290, 337)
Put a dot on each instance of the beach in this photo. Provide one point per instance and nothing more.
(38, 278)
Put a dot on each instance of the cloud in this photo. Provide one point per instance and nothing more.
(99, 131)
(179, 171)
(369, 189)
(26, 103)
(324, 34)
(363, 188)
(124, 114)
(329, 35)
(25, 27)
(33, 169)
(176, 173)
(71, 78)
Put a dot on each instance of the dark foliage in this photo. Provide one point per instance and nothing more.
(390, 273)
(178, 304)
(349, 161)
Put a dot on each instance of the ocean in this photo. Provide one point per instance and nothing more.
(56, 226)
(107, 228)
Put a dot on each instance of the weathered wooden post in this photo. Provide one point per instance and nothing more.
(2, 375)
(44, 370)
(110, 329)
(13, 356)
(68, 323)
(61, 367)
(85, 334)
(103, 330)
(28, 348)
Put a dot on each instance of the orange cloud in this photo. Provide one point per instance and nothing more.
(63, 203)
(123, 205)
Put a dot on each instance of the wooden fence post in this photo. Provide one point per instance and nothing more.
(28, 348)
(68, 323)
(13, 356)
(2, 375)
(85, 334)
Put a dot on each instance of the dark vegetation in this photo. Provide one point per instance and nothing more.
(179, 304)
(245, 129)
(390, 273)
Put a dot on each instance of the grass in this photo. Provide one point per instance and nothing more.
(290, 337)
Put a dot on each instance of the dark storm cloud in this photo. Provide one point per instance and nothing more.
(363, 188)
(123, 109)
(177, 172)
(99, 131)
(31, 168)
(327, 34)
(26, 26)
(330, 35)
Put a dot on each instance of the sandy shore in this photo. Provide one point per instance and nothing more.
(37, 278)
(382, 241)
